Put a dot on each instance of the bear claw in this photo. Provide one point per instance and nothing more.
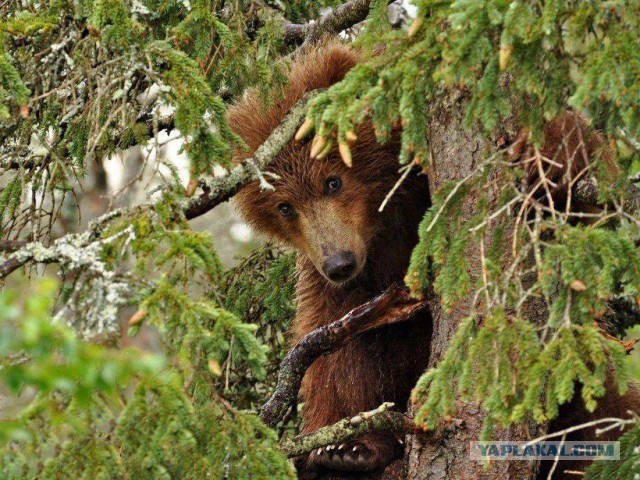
(339, 457)
(355, 456)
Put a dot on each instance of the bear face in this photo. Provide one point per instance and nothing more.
(322, 208)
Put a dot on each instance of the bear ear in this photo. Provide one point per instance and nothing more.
(320, 67)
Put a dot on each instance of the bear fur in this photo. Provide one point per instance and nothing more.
(384, 364)
(304, 212)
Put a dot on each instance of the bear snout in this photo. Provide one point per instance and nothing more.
(340, 267)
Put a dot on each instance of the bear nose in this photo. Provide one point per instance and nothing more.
(340, 267)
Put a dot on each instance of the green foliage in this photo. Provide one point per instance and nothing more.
(83, 422)
(518, 377)
(115, 70)
(522, 62)
(627, 467)
(525, 62)
(440, 254)
(160, 423)
(570, 272)
(48, 358)
(197, 330)
(198, 112)
(582, 54)
(605, 262)
(164, 436)
(115, 73)
(160, 433)
(11, 86)
(260, 290)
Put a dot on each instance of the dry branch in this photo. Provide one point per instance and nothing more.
(217, 191)
(394, 305)
(378, 420)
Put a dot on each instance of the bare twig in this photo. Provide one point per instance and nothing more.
(556, 458)
(613, 422)
(378, 420)
(407, 170)
(394, 305)
(451, 194)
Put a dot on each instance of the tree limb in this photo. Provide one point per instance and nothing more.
(217, 190)
(13, 263)
(394, 305)
(378, 420)
(221, 189)
(11, 245)
(295, 33)
(338, 19)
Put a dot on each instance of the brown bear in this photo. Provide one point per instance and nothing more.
(349, 253)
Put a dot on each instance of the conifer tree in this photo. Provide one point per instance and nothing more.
(514, 282)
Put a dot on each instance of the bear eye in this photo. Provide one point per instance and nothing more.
(333, 184)
(286, 210)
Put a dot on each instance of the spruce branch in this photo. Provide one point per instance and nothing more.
(379, 420)
(216, 191)
(394, 305)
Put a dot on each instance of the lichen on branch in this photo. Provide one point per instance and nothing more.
(379, 420)
(221, 189)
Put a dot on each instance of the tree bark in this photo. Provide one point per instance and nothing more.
(446, 455)
(394, 305)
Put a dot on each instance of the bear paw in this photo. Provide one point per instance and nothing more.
(360, 455)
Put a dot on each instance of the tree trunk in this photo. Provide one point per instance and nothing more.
(445, 453)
